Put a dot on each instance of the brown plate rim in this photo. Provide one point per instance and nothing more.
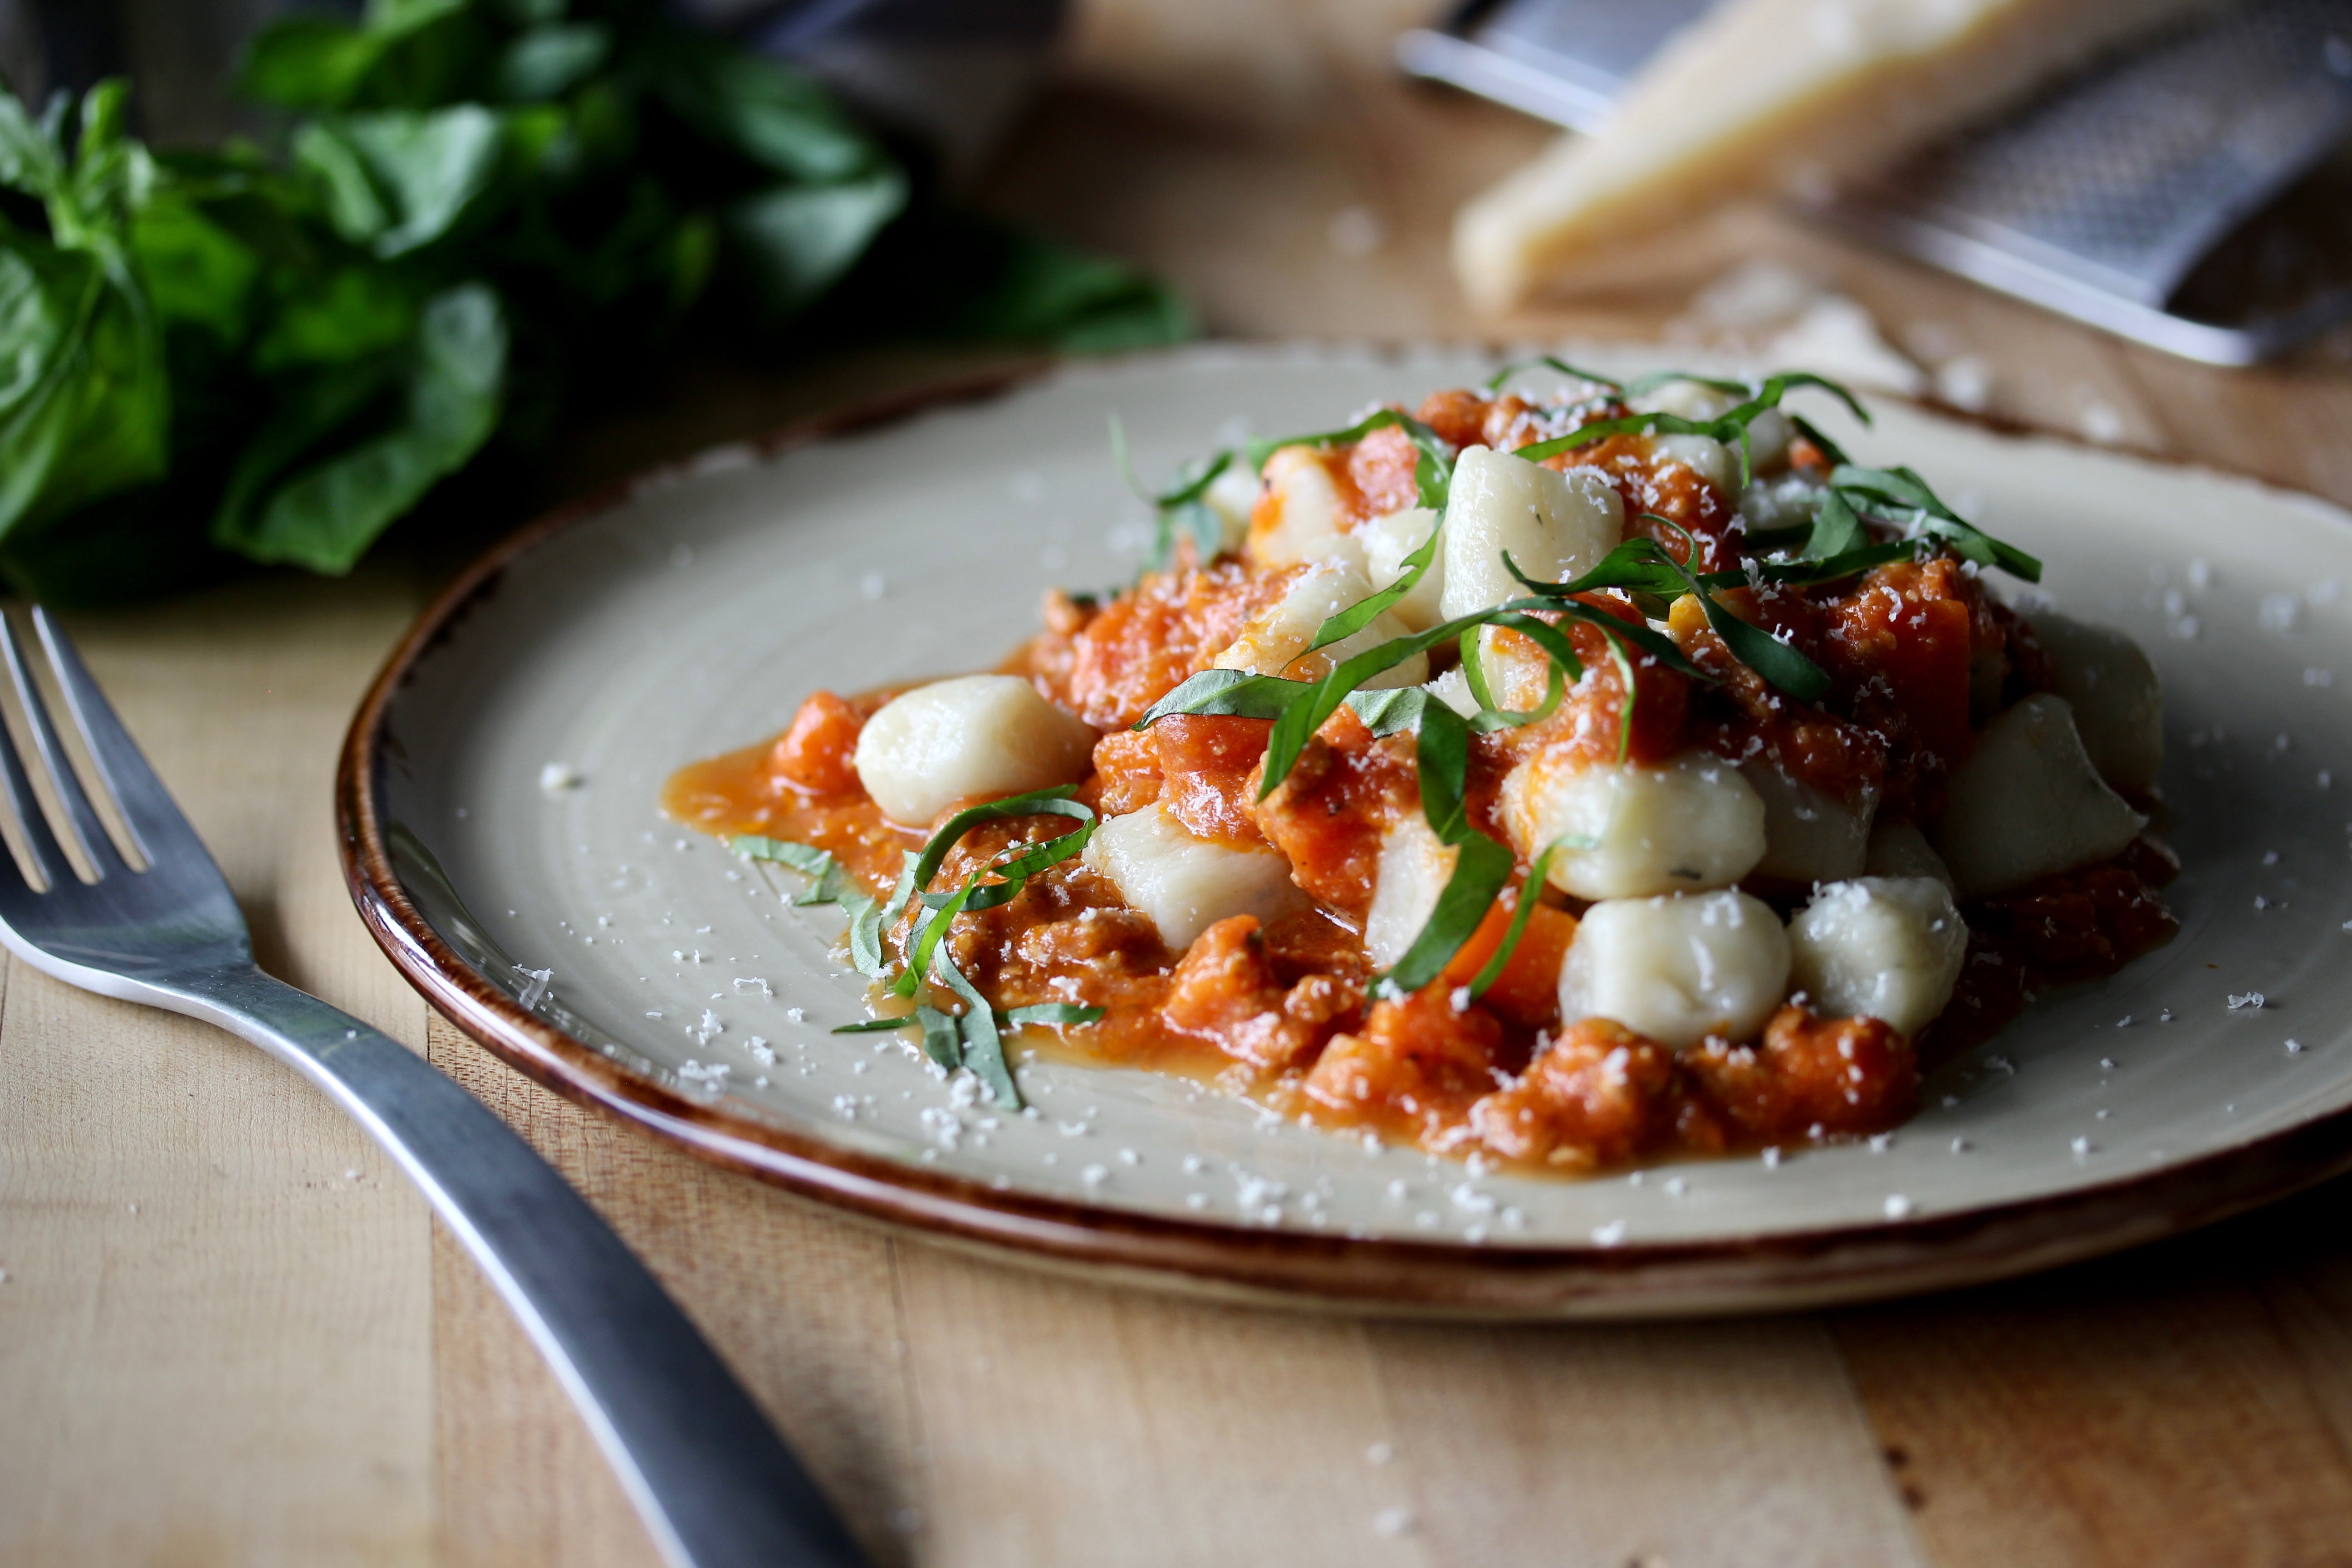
(1779, 1270)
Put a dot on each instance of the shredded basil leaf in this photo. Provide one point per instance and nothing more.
(874, 1027)
(1837, 528)
(940, 1041)
(1805, 573)
(1811, 431)
(1491, 716)
(1530, 894)
(1575, 373)
(830, 879)
(1731, 428)
(1359, 616)
(1054, 1015)
(983, 1048)
(1906, 492)
(1234, 694)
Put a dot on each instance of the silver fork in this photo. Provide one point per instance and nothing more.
(715, 1485)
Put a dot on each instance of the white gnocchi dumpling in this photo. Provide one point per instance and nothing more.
(1233, 496)
(1276, 641)
(1769, 434)
(1414, 868)
(1627, 831)
(2118, 709)
(1453, 689)
(1185, 883)
(2028, 803)
(1554, 525)
(1679, 968)
(1888, 948)
(974, 735)
(1809, 835)
(1298, 515)
(1901, 849)
(1387, 541)
(1705, 456)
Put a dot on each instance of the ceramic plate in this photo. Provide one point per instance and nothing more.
(647, 970)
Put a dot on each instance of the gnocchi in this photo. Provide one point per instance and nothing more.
(974, 735)
(1888, 948)
(2028, 804)
(1182, 883)
(1680, 969)
(1627, 831)
(2108, 681)
(1554, 525)
(1275, 643)
(1387, 541)
(1297, 516)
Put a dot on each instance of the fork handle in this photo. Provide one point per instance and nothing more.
(715, 1485)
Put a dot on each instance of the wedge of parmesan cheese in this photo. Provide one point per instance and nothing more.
(1776, 95)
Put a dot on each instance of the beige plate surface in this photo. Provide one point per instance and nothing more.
(692, 614)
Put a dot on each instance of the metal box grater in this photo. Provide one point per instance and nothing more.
(2143, 195)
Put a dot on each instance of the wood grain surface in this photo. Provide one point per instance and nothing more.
(229, 1335)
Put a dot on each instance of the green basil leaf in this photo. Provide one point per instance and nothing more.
(326, 513)
(874, 1026)
(799, 857)
(1234, 694)
(762, 108)
(1056, 1015)
(398, 180)
(350, 313)
(1530, 895)
(797, 241)
(1804, 573)
(85, 404)
(1767, 655)
(1811, 431)
(983, 1048)
(1495, 382)
(549, 60)
(1364, 613)
(1482, 867)
(940, 1041)
(1837, 528)
(1432, 468)
(191, 269)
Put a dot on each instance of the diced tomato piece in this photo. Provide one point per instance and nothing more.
(817, 752)
(1528, 991)
(1599, 1095)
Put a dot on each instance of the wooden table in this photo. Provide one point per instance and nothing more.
(230, 1334)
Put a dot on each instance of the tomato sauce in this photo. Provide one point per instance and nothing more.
(1285, 1011)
